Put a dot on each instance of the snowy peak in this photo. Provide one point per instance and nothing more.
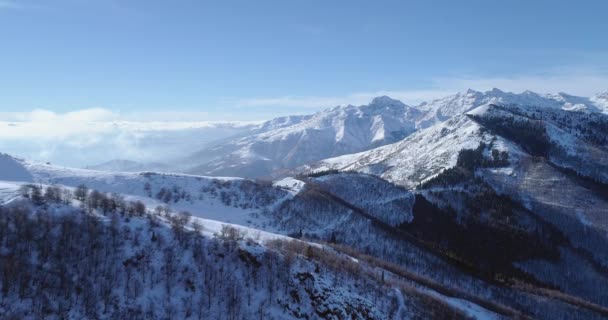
(441, 109)
(552, 133)
(329, 133)
(386, 101)
(288, 142)
(601, 101)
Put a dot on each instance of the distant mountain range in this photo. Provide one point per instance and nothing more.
(272, 149)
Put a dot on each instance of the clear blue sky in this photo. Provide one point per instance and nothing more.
(249, 57)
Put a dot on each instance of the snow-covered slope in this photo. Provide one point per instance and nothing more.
(331, 132)
(123, 265)
(357, 212)
(549, 163)
(12, 169)
(441, 109)
(601, 101)
(288, 142)
(415, 158)
(579, 143)
(231, 200)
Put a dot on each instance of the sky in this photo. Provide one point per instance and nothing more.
(144, 60)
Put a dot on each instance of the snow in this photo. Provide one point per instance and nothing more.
(332, 132)
(479, 110)
(292, 185)
(12, 169)
(415, 158)
(8, 191)
(132, 185)
(440, 110)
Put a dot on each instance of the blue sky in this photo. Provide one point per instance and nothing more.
(256, 59)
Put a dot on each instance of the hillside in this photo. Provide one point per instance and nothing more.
(379, 227)
(171, 265)
(508, 171)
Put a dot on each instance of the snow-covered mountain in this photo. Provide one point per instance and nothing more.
(571, 140)
(128, 264)
(442, 109)
(288, 142)
(601, 101)
(509, 168)
(499, 211)
(331, 132)
(399, 233)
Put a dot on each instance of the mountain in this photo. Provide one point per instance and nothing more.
(378, 230)
(496, 212)
(601, 101)
(284, 143)
(331, 132)
(503, 171)
(442, 109)
(570, 140)
(79, 259)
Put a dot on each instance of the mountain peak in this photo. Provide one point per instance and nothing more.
(495, 91)
(386, 101)
(602, 95)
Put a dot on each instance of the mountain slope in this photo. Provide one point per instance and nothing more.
(285, 143)
(570, 140)
(332, 132)
(511, 168)
(601, 101)
(440, 110)
(376, 222)
(84, 261)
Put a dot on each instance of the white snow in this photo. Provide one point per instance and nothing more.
(292, 185)
(12, 169)
(415, 158)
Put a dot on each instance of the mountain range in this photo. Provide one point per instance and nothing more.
(349, 129)
(482, 205)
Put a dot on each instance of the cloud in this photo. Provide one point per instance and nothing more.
(79, 116)
(92, 136)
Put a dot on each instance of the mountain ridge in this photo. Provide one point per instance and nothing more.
(349, 129)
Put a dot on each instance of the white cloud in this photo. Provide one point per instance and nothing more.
(93, 136)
